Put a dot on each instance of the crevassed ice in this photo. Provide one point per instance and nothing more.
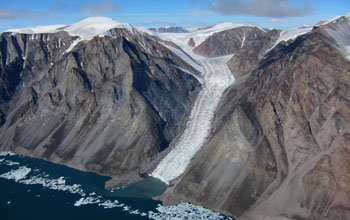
(217, 78)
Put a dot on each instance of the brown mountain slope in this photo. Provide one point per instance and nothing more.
(279, 147)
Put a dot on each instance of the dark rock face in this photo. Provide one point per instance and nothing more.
(169, 30)
(110, 105)
(248, 44)
(279, 144)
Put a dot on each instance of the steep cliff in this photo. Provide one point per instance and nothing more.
(118, 102)
(110, 104)
(279, 146)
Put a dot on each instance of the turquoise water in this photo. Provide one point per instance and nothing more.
(36, 189)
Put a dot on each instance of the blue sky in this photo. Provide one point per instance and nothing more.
(282, 14)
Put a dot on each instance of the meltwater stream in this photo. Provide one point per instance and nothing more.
(217, 77)
(35, 189)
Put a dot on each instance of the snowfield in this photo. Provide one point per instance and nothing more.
(85, 29)
(291, 35)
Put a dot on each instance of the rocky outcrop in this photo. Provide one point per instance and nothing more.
(278, 149)
(248, 44)
(279, 143)
(111, 105)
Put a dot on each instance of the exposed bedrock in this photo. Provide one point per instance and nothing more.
(110, 105)
(279, 146)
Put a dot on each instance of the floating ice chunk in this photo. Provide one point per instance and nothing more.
(6, 153)
(108, 204)
(17, 174)
(9, 162)
(61, 181)
(86, 201)
(185, 210)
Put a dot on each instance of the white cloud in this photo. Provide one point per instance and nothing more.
(264, 8)
(94, 8)
(198, 12)
(7, 13)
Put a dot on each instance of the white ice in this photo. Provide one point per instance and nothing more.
(38, 29)
(341, 34)
(291, 35)
(7, 153)
(86, 29)
(94, 26)
(216, 77)
(17, 174)
(185, 210)
(181, 211)
(198, 35)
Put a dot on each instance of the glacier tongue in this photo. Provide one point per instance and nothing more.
(217, 77)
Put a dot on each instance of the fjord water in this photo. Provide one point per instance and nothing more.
(36, 189)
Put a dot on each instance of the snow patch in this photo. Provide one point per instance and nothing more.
(291, 35)
(74, 43)
(86, 29)
(94, 26)
(199, 36)
(38, 29)
(341, 34)
(185, 57)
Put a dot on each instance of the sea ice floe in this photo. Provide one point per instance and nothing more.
(6, 153)
(86, 201)
(29, 176)
(185, 210)
(17, 174)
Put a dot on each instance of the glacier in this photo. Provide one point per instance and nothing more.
(216, 78)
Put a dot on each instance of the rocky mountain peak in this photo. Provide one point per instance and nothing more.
(261, 116)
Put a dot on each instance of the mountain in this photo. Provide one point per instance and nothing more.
(250, 122)
(169, 30)
(280, 138)
(111, 98)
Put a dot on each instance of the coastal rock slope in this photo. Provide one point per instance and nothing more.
(279, 148)
(106, 99)
(268, 111)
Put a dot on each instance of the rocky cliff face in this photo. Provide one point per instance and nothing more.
(115, 105)
(110, 105)
(279, 146)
